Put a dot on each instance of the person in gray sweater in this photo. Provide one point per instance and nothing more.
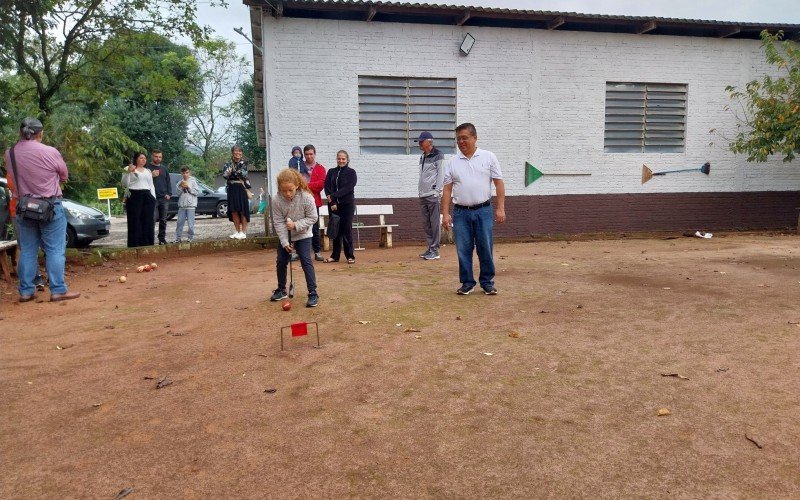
(187, 202)
(293, 215)
(431, 180)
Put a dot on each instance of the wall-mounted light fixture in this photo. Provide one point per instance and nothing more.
(467, 44)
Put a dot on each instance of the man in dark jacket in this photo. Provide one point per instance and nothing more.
(163, 193)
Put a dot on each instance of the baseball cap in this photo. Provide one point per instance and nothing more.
(424, 136)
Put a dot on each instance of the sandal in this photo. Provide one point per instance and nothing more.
(328, 260)
(351, 261)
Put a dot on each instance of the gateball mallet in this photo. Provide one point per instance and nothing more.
(291, 274)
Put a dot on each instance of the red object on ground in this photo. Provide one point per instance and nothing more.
(286, 305)
(299, 329)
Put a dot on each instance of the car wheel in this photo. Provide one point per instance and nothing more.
(72, 237)
(222, 209)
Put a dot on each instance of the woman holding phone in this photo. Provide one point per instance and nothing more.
(141, 203)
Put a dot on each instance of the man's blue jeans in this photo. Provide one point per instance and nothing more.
(473, 230)
(52, 238)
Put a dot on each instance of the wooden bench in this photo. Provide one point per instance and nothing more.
(361, 210)
(8, 257)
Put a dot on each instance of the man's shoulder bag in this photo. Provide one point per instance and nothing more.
(30, 207)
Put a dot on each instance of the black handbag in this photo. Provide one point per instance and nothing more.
(30, 207)
(333, 226)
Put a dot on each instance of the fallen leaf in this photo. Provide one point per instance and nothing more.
(365, 322)
(271, 390)
(794, 323)
(677, 375)
(398, 324)
(723, 369)
(754, 440)
(109, 327)
(263, 355)
(123, 493)
(101, 285)
(458, 318)
(489, 353)
(666, 288)
(514, 335)
(163, 382)
(664, 411)
(543, 312)
(411, 330)
(61, 348)
(97, 405)
(417, 336)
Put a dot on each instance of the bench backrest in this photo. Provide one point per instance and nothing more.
(365, 210)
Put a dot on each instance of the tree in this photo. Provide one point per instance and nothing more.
(221, 69)
(245, 129)
(52, 41)
(769, 122)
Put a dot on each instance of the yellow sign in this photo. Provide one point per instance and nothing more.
(107, 194)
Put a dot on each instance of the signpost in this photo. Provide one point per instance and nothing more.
(107, 194)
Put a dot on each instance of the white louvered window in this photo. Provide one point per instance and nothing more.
(393, 111)
(645, 118)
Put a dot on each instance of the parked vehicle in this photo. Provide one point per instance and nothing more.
(84, 224)
(209, 201)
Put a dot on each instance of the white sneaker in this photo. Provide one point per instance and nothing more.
(234, 235)
(241, 236)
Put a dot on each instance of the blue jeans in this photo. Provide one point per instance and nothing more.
(303, 249)
(473, 230)
(184, 215)
(52, 238)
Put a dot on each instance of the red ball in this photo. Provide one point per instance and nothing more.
(286, 305)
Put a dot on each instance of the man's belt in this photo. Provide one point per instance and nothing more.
(474, 207)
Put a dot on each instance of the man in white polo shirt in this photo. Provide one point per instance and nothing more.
(468, 182)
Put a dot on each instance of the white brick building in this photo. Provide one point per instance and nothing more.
(535, 95)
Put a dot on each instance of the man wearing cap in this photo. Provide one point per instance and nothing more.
(39, 169)
(468, 182)
(431, 175)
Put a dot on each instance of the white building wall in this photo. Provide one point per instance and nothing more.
(534, 95)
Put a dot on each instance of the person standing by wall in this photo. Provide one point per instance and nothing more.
(141, 202)
(235, 172)
(468, 183)
(315, 177)
(431, 178)
(187, 203)
(39, 170)
(163, 192)
(340, 185)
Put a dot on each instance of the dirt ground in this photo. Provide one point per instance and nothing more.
(550, 389)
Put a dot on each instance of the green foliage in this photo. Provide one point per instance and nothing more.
(245, 129)
(771, 106)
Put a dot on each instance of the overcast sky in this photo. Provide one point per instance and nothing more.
(223, 20)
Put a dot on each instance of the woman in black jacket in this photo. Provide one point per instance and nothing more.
(340, 183)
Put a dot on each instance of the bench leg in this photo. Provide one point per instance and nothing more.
(5, 265)
(386, 237)
(326, 242)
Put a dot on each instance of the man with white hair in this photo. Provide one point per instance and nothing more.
(431, 177)
(38, 171)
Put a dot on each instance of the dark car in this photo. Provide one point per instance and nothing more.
(84, 224)
(209, 201)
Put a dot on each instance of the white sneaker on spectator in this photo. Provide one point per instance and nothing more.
(241, 236)
(234, 235)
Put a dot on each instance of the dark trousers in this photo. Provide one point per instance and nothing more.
(160, 215)
(141, 206)
(303, 249)
(345, 236)
(315, 246)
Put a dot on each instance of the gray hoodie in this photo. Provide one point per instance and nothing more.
(431, 173)
(188, 198)
(301, 209)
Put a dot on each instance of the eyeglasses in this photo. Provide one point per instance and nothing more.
(463, 138)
